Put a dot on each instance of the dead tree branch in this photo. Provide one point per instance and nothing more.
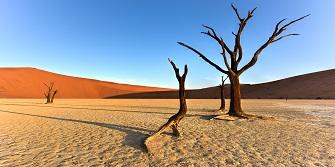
(276, 36)
(173, 122)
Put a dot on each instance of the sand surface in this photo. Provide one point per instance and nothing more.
(111, 133)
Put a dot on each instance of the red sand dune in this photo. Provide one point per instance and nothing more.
(28, 83)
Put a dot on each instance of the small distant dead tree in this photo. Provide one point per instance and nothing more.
(51, 93)
(222, 94)
(53, 96)
(173, 122)
(236, 55)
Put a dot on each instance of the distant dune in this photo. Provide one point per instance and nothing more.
(28, 83)
(318, 85)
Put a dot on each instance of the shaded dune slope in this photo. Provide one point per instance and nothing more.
(318, 85)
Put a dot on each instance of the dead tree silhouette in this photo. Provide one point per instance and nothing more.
(173, 122)
(53, 96)
(51, 93)
(222, 95)
(236, 55)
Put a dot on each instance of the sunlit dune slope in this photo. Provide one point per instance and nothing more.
(28, 83)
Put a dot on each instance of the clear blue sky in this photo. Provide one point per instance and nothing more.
(129, 41)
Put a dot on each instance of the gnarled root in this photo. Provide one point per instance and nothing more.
(173, 124)
(220, 111)
(229, 117)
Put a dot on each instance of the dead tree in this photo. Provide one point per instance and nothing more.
(222, 94)
(53, 96)
(51, 93)
(236, 55)
(173, 122)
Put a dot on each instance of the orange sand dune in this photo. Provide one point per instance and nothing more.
(28, 83)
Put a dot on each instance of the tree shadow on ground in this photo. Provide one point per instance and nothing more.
(99, 109)
(207, 117)
(135, 136)
(85, 108)
(82, 106)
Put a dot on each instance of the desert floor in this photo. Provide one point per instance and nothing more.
(111, 133)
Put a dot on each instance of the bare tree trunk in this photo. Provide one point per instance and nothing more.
(173, 122)
(53, 96)
(235, 108)
(47, 96)
(223, 103)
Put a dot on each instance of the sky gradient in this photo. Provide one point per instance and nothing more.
(129, 41)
